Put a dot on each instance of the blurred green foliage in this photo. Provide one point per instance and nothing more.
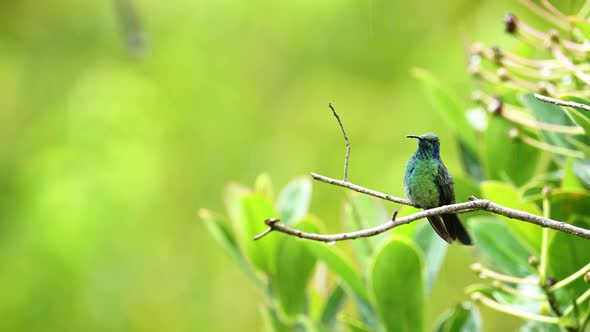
(107, 151)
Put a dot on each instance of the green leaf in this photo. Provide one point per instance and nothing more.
(433, 250)
(582, 118)
(354, 325)
(339, 265)
(506, 195)
(272, 322)
(293, 201)
(569, 180)
(533, 326)
(464, 317)
(582, 169)
(568, 254)
(233, 195)
(448, 107)
(263, 185)
(294, 268)
(224, 238)
(250, 222)
(499, 247)
(471, 163)
(566, 204)
(465, 188)
(361, 212)
(332, 307)
(397, 287)
(500, 150)
(582, 25)
(552, 114)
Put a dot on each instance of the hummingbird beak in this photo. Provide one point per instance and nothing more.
(414, 136)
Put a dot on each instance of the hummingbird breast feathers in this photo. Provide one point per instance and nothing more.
(420, 182)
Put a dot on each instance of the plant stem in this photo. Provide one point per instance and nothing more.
(571, 278)
(544, 245)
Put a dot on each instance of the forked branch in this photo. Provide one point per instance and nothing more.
(474, 204)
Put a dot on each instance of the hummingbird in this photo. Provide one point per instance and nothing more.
(428, 184)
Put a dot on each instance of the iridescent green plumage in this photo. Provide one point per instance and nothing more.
(428, 184)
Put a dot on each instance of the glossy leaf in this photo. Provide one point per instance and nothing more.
(332, 306)
(566, 204)
(533, 326)
(581, 168)
(570, 181)
(500, 151)
(354, 325)
(582, 25)
(499, 247)
(552, 114)
(293, 201)
(464, 317)
(272, 322)
(506, 195)
(448, 107)
(294, 267)
(568, 254)
(255, 209)
(434, 250)
(396, 285)
(465, 188)
(232, 198)
(471, 163)
(226, 240)
(581, 117)
(340, 266)
(361, 212)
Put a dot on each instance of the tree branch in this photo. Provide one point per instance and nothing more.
(473, 205)
(345, 139)
(562, 102)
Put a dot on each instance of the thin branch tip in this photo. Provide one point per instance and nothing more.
(347, 157)
(560, 102)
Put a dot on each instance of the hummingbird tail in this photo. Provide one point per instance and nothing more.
(439, 226)
(456, 229)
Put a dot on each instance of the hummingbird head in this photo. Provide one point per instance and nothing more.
(428, 145)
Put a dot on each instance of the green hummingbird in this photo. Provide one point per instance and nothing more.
(428, 184)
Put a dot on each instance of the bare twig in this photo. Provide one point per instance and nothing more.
(360, 189)
(562, 102)
(473, 205)
(345, 139)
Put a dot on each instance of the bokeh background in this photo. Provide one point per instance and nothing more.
(119, 120)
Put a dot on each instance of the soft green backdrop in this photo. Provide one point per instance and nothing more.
(107, 152)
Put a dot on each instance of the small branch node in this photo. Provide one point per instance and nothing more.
(271, 223)
(394, 215)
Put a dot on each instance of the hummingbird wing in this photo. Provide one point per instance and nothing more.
(446, 189)
(446, 185)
